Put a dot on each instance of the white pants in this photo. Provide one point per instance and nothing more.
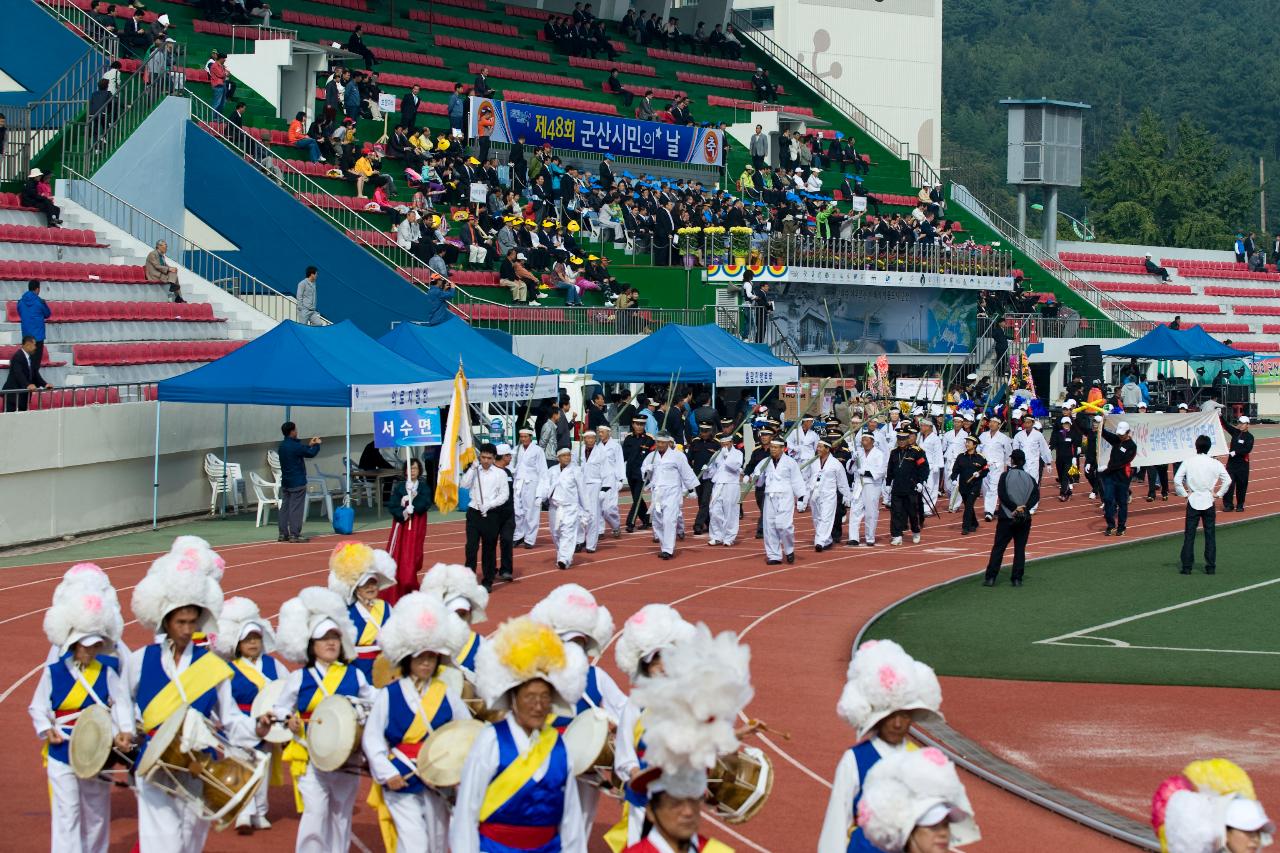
(931, 487)
(823, 507)
(865, 511)
(666, 516)
(589, 523)
(953, 488)
(564, 531)
(166, 823)
(609, 515)
(991, 490)
(724, 513)
(421, 819)
(779, 525)
(527, 513)
(327, 802)
(81, 814)
(589, 799)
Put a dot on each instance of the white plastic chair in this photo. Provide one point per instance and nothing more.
(360, 485)
(316, 492)
(267, 495)
(232, 482)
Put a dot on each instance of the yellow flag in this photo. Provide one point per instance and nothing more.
(458, 448)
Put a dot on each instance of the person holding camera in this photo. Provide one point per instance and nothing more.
(293, 481)
(1018, 495)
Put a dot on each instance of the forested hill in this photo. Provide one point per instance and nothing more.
(1215, 63)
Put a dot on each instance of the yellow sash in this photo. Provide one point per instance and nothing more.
(73, 700)
(296, 753)
(250, 672)
(518, 772)
(416, 732)
(713, 846)
(199, 678)
(466, 649)
(369, 635)
(616, 836)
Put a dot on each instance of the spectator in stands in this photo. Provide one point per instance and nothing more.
(305, 297)
(457, 110)
(298, 138)
(159, 271)
(1177, 323)
(136, 36)
(1257, 263)
(159, 27)
(350, 96)
(158, 63)
(409, 109)
(759, 148)
(218, 75)
(438, 296)
(1153, 268)
(480, 87)
(645, 111)
(627, 26)
(113, 75)
(438, 264)
(1239, 249)
(515, 276)
(356, 45)
(37, 193)
(616, 87)
(333, 94)
(24, 376)
(763, 86)
(732, 48)
(293, 481)
(98, 102)
(32, 312)
(369, 93)
(698, 41)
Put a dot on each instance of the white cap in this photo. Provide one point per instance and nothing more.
(1182, 405)
(604, 428)
(1065, 419)
(250, 628)
(564, 451)
(526, 431)
(1142, 405)
(324, 627)
(1122, 428)
(1097, 419)
(84, 640)
(1068, 404)
(1244, 419)
(1248, 815)
(459, 602)
(520, 256)
(504, 449)
(934, 816)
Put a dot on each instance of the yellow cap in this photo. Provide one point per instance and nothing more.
(548, 223)
(473, 161)
(460, 215)
(574, 226)
(574, 260)
(592, 258)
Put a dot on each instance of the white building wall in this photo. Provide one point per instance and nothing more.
(885, 57)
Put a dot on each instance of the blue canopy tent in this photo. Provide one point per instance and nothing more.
(1194, 344)
(442, 346)
(291, 365)
(693, 354)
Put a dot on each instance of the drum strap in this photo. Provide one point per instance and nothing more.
(69, 708)
(517, 773)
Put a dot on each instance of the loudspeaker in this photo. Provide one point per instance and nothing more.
(1086, 362)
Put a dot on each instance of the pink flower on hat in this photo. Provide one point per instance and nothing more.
(577, 600)
(869, 644)
(187, 564)
(864, 812)
(85, 569)
(934, 756)
(638, 618)
(426, 620)
(890, 678)
(92, 603)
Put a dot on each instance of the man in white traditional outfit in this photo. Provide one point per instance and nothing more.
(953, 445)
(529, 466)
(802, 443)
(867, 469)
(827, 483)
(934, 454)
(1033, 445)
(668, 474)
(725, 473)
(783, 486)
(609, 515)
(598, 479)
(562, 488)
(995, 447)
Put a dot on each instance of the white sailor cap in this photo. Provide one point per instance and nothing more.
(564, 451)
(526, 431)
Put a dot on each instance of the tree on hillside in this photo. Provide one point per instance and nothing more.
(1149, 187)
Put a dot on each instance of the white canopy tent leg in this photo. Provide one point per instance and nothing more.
(155, 475)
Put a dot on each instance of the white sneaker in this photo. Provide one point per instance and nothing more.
(244, 821)
(261, 822)
(712, 542)
(915, 538)
(897, 540)
(1092, 496)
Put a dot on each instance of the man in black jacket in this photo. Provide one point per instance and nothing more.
(24, 376)
(1116, 476)
(1019, 493)
(967, 472)
(904, 479)
(699, 452)
(409, 109)
(1238, 464)
(664, 226)
(635, 447)
(480, 86)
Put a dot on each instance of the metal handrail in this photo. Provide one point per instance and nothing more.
(107, 42)
(76, 396)
(922, 173)
(1105, 303)
(351, 223)
(249, 289)
(263, 32)
(581, 320)
(89, 142)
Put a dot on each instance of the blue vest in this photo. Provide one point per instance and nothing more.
(537, 803)
(592, 693)
(62, 682)
(244, 691)
(865, 755)
(365, 665)
(399, 718)
(348, 686)
(468, 661)
(153, 679)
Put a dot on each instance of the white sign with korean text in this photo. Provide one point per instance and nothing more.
(1165, 439)
(742, 377)
(387, 103)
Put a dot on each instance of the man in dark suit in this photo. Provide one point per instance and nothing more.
(409, 109)
(480, 88)
(664, 226)
(24, 376)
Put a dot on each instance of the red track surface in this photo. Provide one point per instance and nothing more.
(799, 620)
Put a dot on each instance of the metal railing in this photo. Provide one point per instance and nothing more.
(83, 24)
(583, 320)
(1051, 265)
(76, 396)
(920, 169)
(250, 33)
(228, 277)
(660, 168)
(1082, 327)
(91, 140)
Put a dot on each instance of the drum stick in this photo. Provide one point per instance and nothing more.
(762, 726)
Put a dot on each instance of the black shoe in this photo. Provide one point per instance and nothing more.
(1109, 531)
(698, 531)
(631, 528)
(988, 581)
(680, 537)
(986, 516)
(853, 543)
(1186, 570)
(506, 576)
(299, 539)
(589, 550)
(791, 558)
(488, 587)
(1228, 507)
(817, 548)
(282, 538)
(664, 555)
(560, 564)
(526, 546)
(1151, 499)
(1017, 581)
(773, 562)
(1240, 509)
(1119, 531)
(1209, 571)
(759, 535)
(578, 548)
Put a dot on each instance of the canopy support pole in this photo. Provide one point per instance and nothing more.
(346, 501)
(226, 416)
(155, 475)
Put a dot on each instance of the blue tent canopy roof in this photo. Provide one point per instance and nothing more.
(294, 365)
(1194, 344)
(438, 349)
(690, 352)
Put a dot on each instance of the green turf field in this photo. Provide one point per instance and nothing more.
(1120, 615)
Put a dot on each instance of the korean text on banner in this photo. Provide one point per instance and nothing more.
(406, 428)
(735, 377)
(505, 121)
(417, 395)
(1165, 439)
(458, 450)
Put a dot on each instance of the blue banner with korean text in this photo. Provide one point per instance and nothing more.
(406, 428)
(505, 121)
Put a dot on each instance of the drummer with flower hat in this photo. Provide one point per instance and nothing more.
(315, 630)
(517, 790)
(358, 573)
(457, 588)
(89, 577)
(176, 599)
(885, 692)
(420, 639)
(83, 624)
(914, 802)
